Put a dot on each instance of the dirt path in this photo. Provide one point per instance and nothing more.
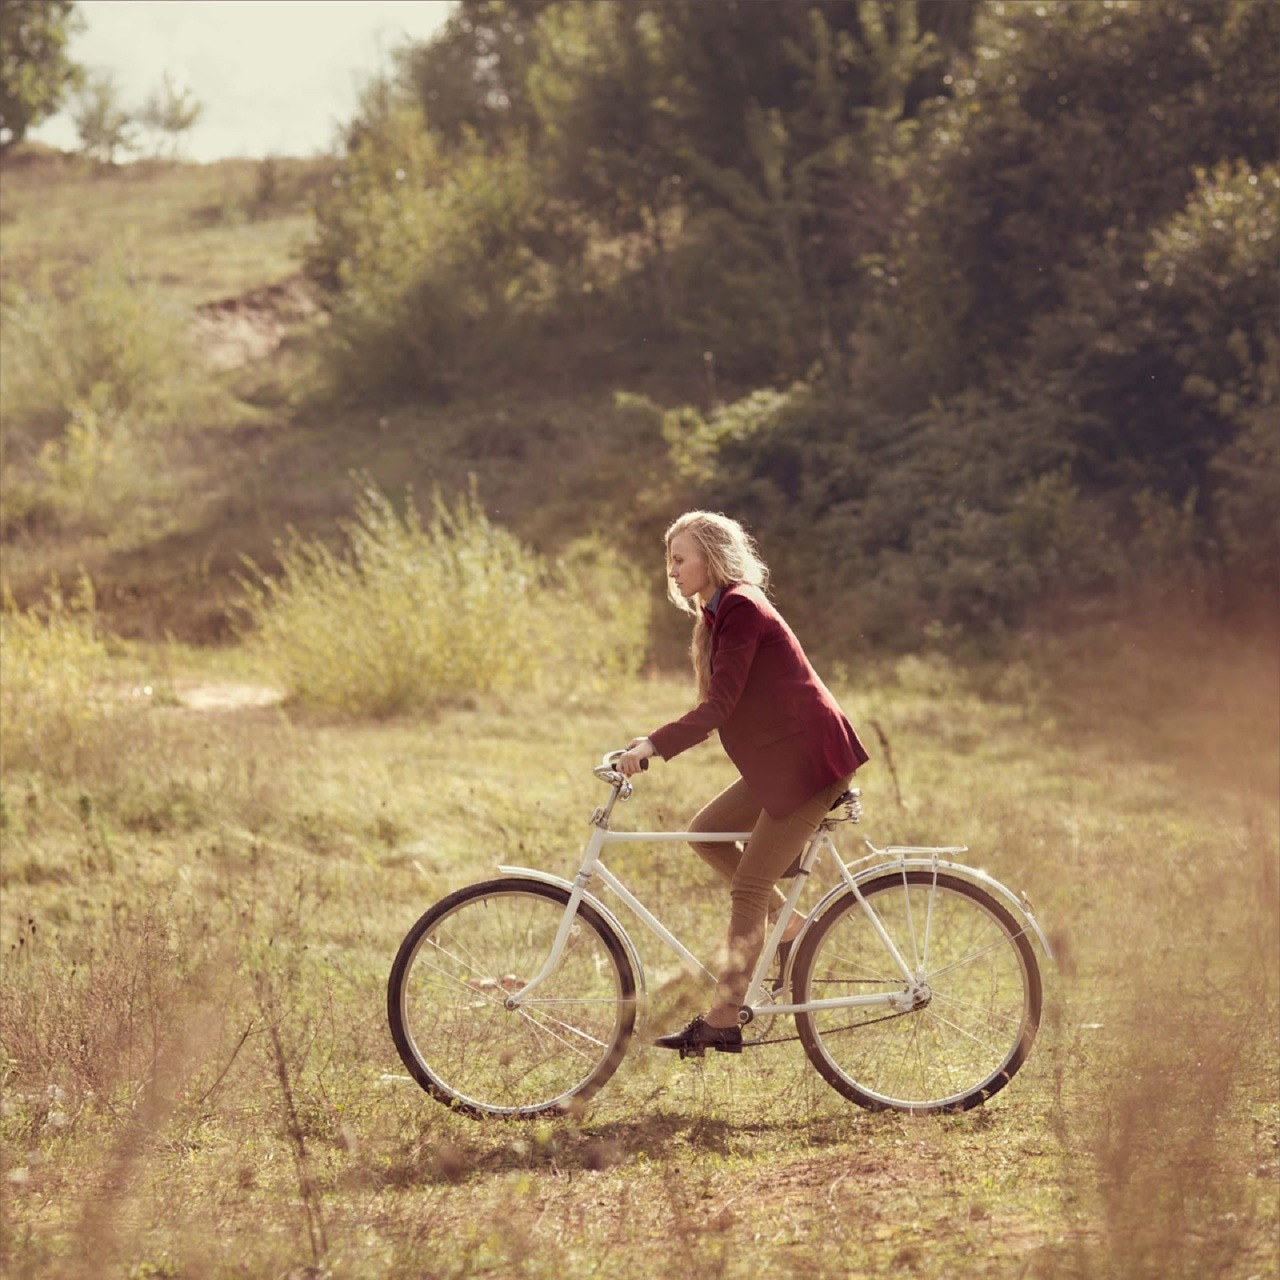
(227, 696)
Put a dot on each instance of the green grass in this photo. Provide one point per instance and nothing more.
(205, 232)
(197, 929)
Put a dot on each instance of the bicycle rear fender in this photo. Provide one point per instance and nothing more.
(528, 873)
(1017, 902)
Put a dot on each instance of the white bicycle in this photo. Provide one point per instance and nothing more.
(913, 982)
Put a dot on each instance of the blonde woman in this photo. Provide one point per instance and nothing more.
(779, 725)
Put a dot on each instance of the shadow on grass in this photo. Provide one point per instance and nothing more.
(562, 1147)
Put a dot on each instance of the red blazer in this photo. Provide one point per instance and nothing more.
(778, 722)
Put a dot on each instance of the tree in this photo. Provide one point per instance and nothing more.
(608, 138)
(1080, 124)
(170, 112)
(103, 124)
(472, 76)
(35, 71)
(791, 116)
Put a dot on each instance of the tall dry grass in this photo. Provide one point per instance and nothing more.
(54, 666)
(414, 614)
(1171, 1123)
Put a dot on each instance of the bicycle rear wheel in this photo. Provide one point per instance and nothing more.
(455, 970)
(949, 1039)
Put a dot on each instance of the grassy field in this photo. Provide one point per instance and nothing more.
(197, 929)
(202, 888)
(207, 231)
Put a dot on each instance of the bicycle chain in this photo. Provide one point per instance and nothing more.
(853, 1026)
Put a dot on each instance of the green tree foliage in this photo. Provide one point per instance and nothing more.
(435, 263)
(607, 127)
(471, 79)
(793, 118)
(1081, 123)
(1014, 266)
(717, 144)
(103, 124)
(35, 70)
(170, 112)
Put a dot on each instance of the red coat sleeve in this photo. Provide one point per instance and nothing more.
(738, 632)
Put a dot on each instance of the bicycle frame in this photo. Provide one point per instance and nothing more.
(878, 862)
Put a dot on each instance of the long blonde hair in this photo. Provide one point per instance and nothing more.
(731, 556)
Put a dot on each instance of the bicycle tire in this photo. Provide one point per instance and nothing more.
(959, 1047)
(447, 992)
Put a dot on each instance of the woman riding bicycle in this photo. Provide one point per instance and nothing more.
(794, 748)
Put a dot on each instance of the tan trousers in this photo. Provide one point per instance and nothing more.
(752, 874)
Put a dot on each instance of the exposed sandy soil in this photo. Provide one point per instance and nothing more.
(212, 695)
(234, 331)
(229, 696)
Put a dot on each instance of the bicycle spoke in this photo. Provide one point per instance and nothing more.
(988, 1046)
(995, 944)
(551, 1029)
(979, 993)
(448, 993)
(980, 1013)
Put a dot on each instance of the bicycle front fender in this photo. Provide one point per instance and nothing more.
(595, 904)
(1016, 902)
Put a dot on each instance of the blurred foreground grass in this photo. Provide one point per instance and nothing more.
(197, 924)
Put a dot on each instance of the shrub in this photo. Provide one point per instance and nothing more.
(428, 261)
(106, 341)
(53, 662)
(966, 515)
(414, 614)
(84, 375)
(1248, 500)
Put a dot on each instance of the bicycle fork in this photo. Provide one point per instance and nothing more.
(576, 894)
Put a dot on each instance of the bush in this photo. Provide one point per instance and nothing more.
(416, 614)
(428, 261)
(85, 376)
(962, 517)
(53, 664)
(106, 341)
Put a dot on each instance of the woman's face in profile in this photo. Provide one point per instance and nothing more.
(687, 568)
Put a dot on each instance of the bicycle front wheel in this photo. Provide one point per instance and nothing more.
(458, 966)
(949, 1037)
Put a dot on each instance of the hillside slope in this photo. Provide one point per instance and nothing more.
(162, 517)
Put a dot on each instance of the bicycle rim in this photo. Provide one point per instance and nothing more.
(456, 969)
(978, 995)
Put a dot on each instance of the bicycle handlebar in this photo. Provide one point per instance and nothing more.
(607, 773)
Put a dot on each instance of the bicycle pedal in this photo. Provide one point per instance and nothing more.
(698, 1052)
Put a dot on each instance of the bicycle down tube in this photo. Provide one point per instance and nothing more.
(592, 867)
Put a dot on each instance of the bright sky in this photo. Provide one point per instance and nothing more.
(276, 77)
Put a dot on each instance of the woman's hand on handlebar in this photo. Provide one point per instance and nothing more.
(635, 757)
